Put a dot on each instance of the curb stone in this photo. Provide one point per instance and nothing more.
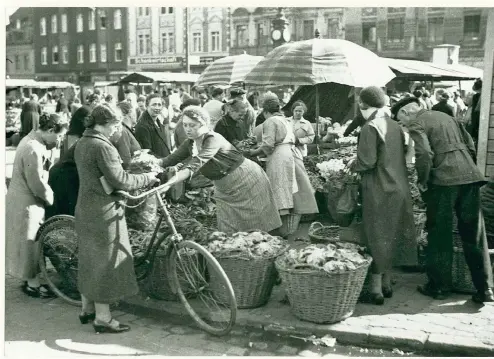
(458, 345)
(413, 340)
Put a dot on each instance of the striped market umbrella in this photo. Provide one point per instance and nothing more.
(317, 61)
(228, 70)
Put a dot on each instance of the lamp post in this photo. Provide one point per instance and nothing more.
(281, 33)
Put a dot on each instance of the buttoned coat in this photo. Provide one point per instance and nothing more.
(106, 269)
(157, 140)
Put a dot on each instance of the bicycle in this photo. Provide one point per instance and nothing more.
(62, 252)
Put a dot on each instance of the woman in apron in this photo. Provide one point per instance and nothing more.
(293, 193)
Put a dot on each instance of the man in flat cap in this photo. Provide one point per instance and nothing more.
(449, 181)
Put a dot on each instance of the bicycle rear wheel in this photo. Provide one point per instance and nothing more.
(188, 263)
(58, 258)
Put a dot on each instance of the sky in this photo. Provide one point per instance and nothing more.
(9, 11)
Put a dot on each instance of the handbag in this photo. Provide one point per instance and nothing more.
(348, 205)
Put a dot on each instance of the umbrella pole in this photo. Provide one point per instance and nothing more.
(317, 114)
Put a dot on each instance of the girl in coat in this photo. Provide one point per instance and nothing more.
(106, 269)
(387, 212)
(27, 196)
(243, 195)
(303, 130)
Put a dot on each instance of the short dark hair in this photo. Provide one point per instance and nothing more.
(101, 115)
(108, 98)
(52, 121)
(76, 127)
(299, 103)
(477, 85)
(151, 96)
(217, 92)
(190, 102)
(417, 93)
(402, 103)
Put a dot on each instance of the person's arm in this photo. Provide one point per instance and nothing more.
(423, 153)
(357, 122)
(366, 150)
(143, 136)
(33, 168)
(309, 134)
(220, 128)
(268, 139)
(179, 155)
(108, 162)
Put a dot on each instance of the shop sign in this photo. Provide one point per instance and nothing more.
(210, 59)
(150, 60)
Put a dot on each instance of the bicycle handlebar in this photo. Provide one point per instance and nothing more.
(127, 195)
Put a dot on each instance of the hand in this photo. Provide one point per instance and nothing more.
(152, 178)
(247, 153)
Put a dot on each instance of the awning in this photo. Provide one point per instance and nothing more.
(56, 84)
(421, 70)
(20, 83)
(103, 83)
(149, 77)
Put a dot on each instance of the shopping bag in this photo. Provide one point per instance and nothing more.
(347, 205)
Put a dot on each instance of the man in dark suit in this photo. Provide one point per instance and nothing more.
(151, 131)
(443, 106)
(449, 181)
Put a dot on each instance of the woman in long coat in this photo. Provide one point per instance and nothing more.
(25, 202)
(30, 114)
(386, 200)
(244, 199)
(292, 190)
(106, 270)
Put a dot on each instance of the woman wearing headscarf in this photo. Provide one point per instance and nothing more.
(243, 195)
(387, 212)
(303, 130)
(27, 196)
(293, 192)
(125, 141)
(106, 269)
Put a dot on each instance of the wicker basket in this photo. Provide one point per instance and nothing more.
(158, 282)
(323, 234)
(320, 297)
(290, 223)
(252, 279)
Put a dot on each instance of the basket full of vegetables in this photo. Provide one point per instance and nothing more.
(323, 282)
(248, 261)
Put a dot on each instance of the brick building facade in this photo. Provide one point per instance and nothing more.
(20, 45)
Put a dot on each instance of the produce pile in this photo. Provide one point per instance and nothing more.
(336, 174)
(418, 203)
(252, 245)
(347, 141)
(246, 144)
(332, 258)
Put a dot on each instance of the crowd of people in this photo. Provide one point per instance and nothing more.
(255, 188)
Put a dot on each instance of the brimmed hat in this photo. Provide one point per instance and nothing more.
(237, 91)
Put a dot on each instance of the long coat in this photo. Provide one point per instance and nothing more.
(106, 270)
(386, 199)
(31, 111)
(25, 202)
(126, 145)
(158, 140)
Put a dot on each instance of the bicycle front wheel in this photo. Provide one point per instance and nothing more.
(188, 263)
(58, 258)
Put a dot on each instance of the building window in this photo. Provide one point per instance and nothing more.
(394, 10)
(65, 54)
(80, 23)
(54, 55)
(144, 44)
(215, 41)
(396, 30)
(54, 24)
(167, 42)
(369, 33)
(64, 23)
(471, 27)
(241, 34)
(117, 19)
(80, 54)
(118, 52)
(92, 53)
(260, 34)
(44, 56)
(18, 24)
(143, 11)
(308, 29)
(197, 42)
(170, 10)
(166, 10)
(26, 62)
(102, 19)
(333, 28)
(42, 26)
(141, 44)
(17, 62)
(435, 29)
(92, 20)
(147, 37)
(102, 54)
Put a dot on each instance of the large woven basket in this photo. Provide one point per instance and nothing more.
(252, 279)
(158, 282)
(320, 297)
(290, 223)
(319, 233)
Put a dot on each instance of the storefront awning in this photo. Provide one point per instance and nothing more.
(421, 70)
(55, 84)
(149, 77)
(11, 83)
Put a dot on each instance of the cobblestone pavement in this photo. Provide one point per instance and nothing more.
(50, 328)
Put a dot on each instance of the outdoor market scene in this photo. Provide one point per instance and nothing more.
(321, 193)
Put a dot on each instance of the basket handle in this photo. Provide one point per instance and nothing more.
(314, 226)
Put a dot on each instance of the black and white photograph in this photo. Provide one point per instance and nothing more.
(248, 181)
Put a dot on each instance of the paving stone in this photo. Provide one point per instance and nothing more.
(178, 330)
(350, 335)
(458, 345)
(236, 351)
(398, 338)
(288, 350)
(309, 353)
(259, 345)
(126, 318)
